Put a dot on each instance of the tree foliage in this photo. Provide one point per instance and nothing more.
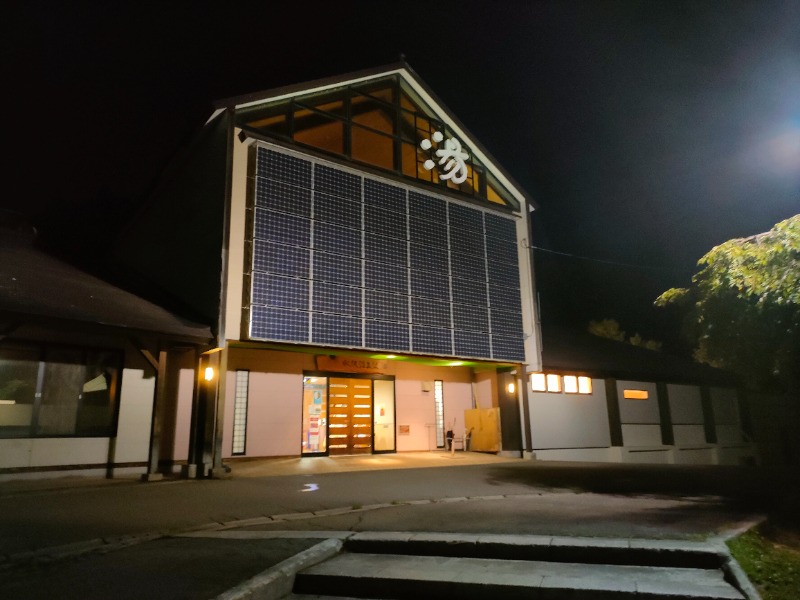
(743, 307)
(610, 328)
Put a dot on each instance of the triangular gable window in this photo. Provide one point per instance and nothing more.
(382, 124)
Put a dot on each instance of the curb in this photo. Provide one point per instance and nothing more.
(278, 581)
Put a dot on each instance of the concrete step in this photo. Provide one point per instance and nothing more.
(399, 576)
(400, 565)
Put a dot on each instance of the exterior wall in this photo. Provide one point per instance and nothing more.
(236, 242)
(183, 423)
(132, 442)
(726, 415)
(640, 418)
(274, 408)
(560, 420)
(686, 409)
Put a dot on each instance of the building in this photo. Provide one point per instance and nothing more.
(365, 264)
(600, 400)
(89, 373)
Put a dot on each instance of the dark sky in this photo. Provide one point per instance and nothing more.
(647, 131)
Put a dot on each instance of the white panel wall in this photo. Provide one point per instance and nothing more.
(726, 415)
(686, 410)
(640, 418)
(416, 408)
(184, 417)
(274, 414)
(135, 411)
(561, 420)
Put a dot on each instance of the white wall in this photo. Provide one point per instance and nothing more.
(561, 420)
(640, 418)
(132, 443)
(686, 410)
(183, 421)
(726, 415)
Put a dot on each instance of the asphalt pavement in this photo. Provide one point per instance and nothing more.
(78, 538)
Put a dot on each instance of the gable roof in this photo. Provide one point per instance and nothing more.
(35, 285)
(407, 74)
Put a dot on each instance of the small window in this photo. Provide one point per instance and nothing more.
(584, 385)
(570, 384)
(553, 383)
(538, 382)
(635, 394)
(240, 411)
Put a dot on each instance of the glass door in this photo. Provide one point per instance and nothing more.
(315, 415)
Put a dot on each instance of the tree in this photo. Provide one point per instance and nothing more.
(610, 328)
(743, 307)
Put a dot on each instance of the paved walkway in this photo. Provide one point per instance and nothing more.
(75, 537)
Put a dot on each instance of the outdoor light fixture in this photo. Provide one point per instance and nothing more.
(511, 388)
(208, 374)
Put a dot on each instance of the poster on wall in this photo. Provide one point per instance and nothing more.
(314, 414)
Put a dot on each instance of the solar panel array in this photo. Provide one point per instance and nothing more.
(343, 259)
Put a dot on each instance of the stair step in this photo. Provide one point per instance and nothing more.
(398, 576)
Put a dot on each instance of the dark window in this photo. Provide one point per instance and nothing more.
(57, 392)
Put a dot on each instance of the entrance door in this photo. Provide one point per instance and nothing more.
(350, 416)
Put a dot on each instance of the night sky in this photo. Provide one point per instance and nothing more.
(647, 132)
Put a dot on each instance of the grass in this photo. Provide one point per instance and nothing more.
(770, 555)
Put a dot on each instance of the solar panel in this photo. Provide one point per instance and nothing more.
(386, 249)
(504, 273)
(380, 276)
(283, 228)
(269, 323)
(471, 317)
(337, 182)
(384, 222)
(334, 209)
(422, 206)
(386, 306)
(501, 228)
(379, 265)
(280, 259)
(468, 266)
(339, 299)
(336, 268)
(383, 335)
(504, 298)
(335, 329)
(284, 167)
(468, 242)
(384, 196)
(466, 291)
(462, 217)
(428, 258)
(472, 344)
(430, 285)
(506, 323)
(429, 233)
(501, 251)
(430, 312)
(433, 340)
(336, 239)
(508, 348)
(283, 197)
(273, 290)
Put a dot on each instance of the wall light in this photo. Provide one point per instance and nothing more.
(511, 388)
(208, 374)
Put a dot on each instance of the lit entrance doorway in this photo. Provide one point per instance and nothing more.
(350, 416)
(346, 415)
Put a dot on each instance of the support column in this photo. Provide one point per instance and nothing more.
(159, 397)
(217, 468)
(614, 421)
(665, 415)
(708, 415)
